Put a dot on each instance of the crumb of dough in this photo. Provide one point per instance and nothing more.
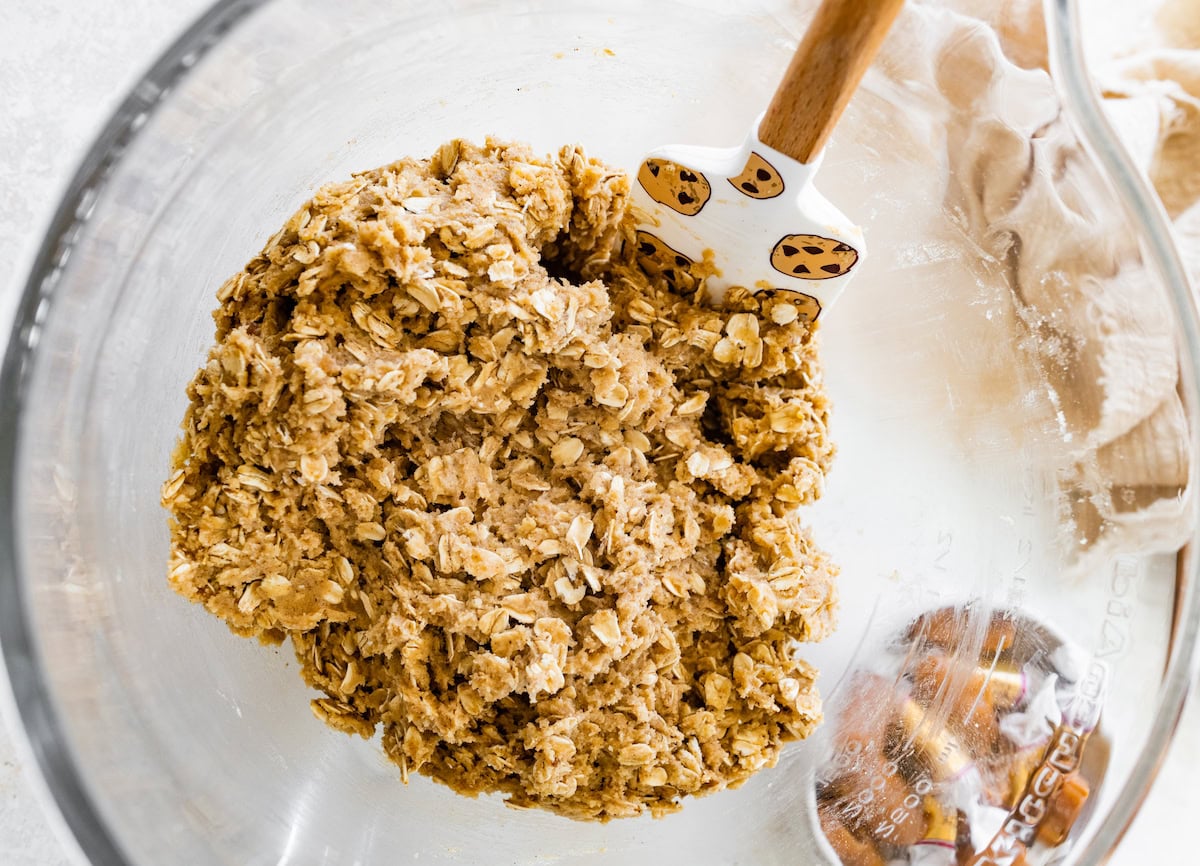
(517, 500)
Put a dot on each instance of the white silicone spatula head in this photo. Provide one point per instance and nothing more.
(754, 206)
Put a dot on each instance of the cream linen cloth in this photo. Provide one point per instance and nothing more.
(1104, 343)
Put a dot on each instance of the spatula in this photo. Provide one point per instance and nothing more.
(754, 206)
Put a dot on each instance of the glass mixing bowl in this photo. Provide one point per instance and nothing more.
(962, 508)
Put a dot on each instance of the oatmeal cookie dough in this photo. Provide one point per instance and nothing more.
(519, 503)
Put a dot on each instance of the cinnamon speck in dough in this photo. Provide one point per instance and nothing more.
(518, 502)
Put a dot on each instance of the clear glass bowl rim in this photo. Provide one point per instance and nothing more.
(61, 778)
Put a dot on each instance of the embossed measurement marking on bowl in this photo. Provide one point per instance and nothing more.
(974, 738)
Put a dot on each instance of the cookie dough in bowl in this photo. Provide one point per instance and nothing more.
(523, 503)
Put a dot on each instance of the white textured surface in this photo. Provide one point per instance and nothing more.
(63, 67)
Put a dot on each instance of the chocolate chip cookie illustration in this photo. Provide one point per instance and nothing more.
(674, 185)
(807, 307)
(812, 257)
(758, 179)
(659, 259)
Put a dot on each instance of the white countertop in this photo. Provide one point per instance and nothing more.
(63, 67)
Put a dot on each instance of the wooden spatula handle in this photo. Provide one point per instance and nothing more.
(832, 58)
